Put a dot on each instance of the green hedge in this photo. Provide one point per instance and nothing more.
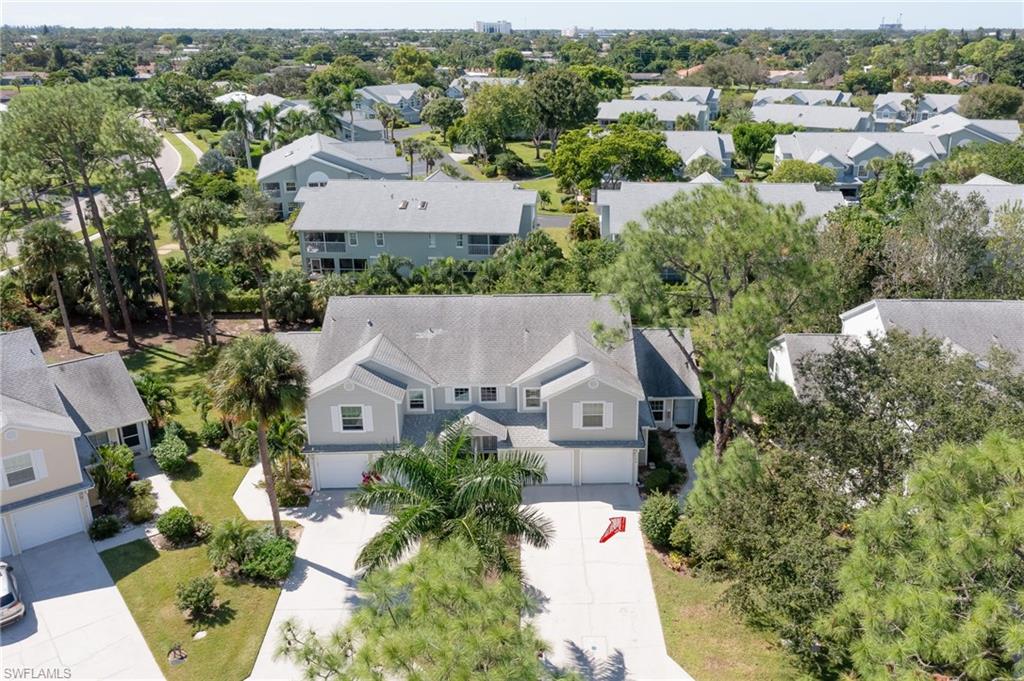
(241, 301)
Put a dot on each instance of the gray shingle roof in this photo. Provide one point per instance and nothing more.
(366, 158)
(815, 147)
(683, 93)
(802, 345)
(664, 371)
(800, 96)
(29, 397)
(632, 199)
(949, 123)
(938, 102)
(98, 392)
(998, 195)
(392, 93)
(821, 117)
(376, 206)
(666, 111)
(691, 144)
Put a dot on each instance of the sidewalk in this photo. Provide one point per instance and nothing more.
(147, 469)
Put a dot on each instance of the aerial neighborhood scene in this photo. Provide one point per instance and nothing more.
(429, 341)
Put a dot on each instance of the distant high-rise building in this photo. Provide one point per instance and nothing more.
(502, 27)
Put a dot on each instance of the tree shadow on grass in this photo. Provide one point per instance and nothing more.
(191, 471)
(223, 614)
(123, 560)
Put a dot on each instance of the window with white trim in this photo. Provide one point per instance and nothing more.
(378, 238)
(488, 393)
(460, 241)
(460, 394)
(531, 398)
(352, 418)
(289, 186)
(99, 439)
(658, 410)
(131, 435)
(592, 415)
(431, 241)
(353, 239)
(19, 469)
(417, 399)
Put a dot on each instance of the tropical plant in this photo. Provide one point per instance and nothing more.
(116, 463)
(384, 276)
(177, 525)
(259, 378)
(171, 454)
(286, 437)
(444, 490)
(253, 247)
(266, 121)
(195, 596)
(289, 297)
(242, 121)
(47, 249)
(229, 543)
(157, 394)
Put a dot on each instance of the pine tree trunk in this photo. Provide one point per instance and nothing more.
(263, 304)
(94, 271)
(268, 475)
(108, 255)
(157, 265)
(63, 311)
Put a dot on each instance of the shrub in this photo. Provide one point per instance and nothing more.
(572, 205)
(141, 508)
(171, 454)
(272, 558)
(116, 464)
(195, 597)
(212, 433)
(140, 488)
(290, 494)
(174, 428)
(681, 537)
(489, 170)
(177, 525)
(510, 165)
(230, 543)
(584, 227)
(241, 301)
(241, 446)
(658, 515)
(103, 527)
(289, 297)
(658, 480)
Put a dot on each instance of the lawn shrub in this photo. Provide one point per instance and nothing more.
(212, 433)
(141, 508)
(177, 525)
(195, 597)
(585, 227)
(658, 515)
(658, 480)
(112, 474)
(103, 527)
(271, 559)
(290, 494)
(171, 454)
(681, 537)
(230, 543)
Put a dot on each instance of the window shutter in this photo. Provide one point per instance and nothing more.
(608, 422)
(449, 395)
(39, 464)
(367, 418)
(577, 415)
(500, 393)
(336, 419)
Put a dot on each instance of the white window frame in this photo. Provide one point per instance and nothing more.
(353, 238)
(456, 400)
(316, 265)
(431, 241)
(378, 239)
(338, 420)
(526, 399)
(93, 437)
(489, 387)
(423, 398)
(35, 463)
(289, 186)
(583, 416)
(460, 241)
(651, 403)
(138, 435)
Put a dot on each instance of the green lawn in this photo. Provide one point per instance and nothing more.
(560, 236)
(147, 579)
(526, 152)
(551, 185)
(188, 159)
(178, 369)
(278, 231)
(208, 484)
(705, 638)
(194, 139)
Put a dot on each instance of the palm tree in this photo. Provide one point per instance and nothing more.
(46, 250)
(385, 275)
(286, 437)
(259, 378)
(347, 99)
(157, 394)
(687, 122)
(266, 119)
(388, 116)
(410, 147)
(253, 247)
(326, 111)
(241, 121)
(445, 490)
(430, 154)
(292, 126)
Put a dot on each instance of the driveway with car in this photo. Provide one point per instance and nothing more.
(76, 619)
(599, 613)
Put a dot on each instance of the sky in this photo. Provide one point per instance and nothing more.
(525, 14)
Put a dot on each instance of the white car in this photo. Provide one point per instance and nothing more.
(12, 608)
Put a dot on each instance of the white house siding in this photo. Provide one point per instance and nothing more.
(864, 323)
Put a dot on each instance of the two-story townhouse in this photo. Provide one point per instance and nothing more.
(347, 224)
(953, 130)
(694, 144)
(815, 118)
(893, 110)
(997, 194)
(618, 207)
(523, 372)
(707, 96)
(352, 126)
(406, 98)
(848, 153)
(313, 160)
(468, 83)
(973, 327)
(49, 419)
(667, 111)
(802, 97)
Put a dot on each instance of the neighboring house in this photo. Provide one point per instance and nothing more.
(312, 160)
(366, 129)
(617, 207)
(466, 84)
(49, 417)
(232, 97)
(891, 108)
(347, 224)
(997, 194)
(801, 97)
(966, 326)
(667, 111)
(708, 96)
(693, 144)
(522, 371)
(22, 78)
(787, 76)
(406, 98)
(848, 153)
(815, 118)
(953, 130)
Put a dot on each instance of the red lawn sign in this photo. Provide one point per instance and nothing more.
(615, 525)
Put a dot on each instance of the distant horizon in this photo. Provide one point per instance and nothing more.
(532, 15)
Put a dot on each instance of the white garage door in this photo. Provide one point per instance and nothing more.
(606, 466)
(341, 471)
(46, 522)
(559, 466)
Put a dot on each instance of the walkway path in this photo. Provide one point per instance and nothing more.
(147, 469)
(688, 446)
(190, 144)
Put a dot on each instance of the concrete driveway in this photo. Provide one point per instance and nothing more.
(77, 624)
(598, 613)
(321, 590)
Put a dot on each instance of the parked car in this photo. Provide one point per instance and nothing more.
(12, 608)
